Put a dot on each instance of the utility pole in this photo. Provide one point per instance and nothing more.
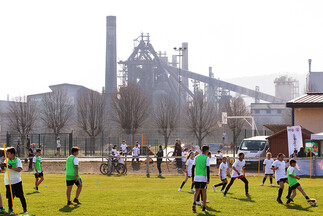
(179, 51)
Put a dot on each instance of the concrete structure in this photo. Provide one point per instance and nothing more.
(307, 111)
(269, 113)
(286, 88)
(111, 56)
(4, 109)
(314, 82)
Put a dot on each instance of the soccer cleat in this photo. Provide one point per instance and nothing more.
(279, 201)
(194, 208)
(272, 185)
(10, 211)
(213, 187)
(224, 195)
(288, 204)
(204, 209)
(69, 202)
(25, 211)
(206, 202)
(179, 190)
(198, 203)
(248, 195)
(192, 190)
(77, 201)
(222, 191)
(262, 184)
(37, 191)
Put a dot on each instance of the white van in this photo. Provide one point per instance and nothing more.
(250, 147)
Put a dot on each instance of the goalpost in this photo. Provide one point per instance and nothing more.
(225, 118)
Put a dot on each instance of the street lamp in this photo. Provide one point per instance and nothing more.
(179, 51)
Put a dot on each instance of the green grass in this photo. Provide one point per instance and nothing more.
(138, 195)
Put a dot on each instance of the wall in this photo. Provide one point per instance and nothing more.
(309, 118)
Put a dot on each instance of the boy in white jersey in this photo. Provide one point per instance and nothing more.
(280, 174)
(268, 162)
(238, 172)
(38, 171)
(124, 147)
(135, 153)
(223, 170)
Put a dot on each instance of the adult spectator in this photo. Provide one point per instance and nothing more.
(58, 146)
(178, 152)
(301, 152)
(294, 155)
(18, 147)
(160, 155)
(30, 156)
(309, 152)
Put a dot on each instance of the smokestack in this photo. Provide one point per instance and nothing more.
(185, 61)
(211, 75)
(309, 65)
(111, 56)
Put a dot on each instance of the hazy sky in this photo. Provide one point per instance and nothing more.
(51, 42)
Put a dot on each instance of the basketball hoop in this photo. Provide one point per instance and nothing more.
(219, 123)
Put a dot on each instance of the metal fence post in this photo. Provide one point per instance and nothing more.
(109, 165)
(314, 166)
(147, 165)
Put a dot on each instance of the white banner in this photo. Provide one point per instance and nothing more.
(295, 140)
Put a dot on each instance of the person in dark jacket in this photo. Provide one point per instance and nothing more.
(160, 155)
(301, 152)
(178, 152)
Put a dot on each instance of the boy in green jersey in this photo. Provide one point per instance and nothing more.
(201, 169)
(293, 183)
(72, 176)
(38, 169)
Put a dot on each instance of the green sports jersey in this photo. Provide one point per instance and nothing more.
(200, 165)
(38, 163)
(70, 169)
(291, 181)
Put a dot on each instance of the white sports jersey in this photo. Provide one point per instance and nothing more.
(184, 154)
(113, 152)
(189, 164)
(135, 151)
(280, 173)
(124, 148)
(238, 165)
(222, 170)
(268, 164)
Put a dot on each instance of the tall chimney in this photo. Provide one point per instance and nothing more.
(185, 61)
(111, 56)
(309, 65)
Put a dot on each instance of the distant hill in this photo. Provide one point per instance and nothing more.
(266, 82)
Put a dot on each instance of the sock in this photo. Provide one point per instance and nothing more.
(289, 200)
(1, 208)
(289, 191)
(182, 185)
(307, 197)
(271, 180)
(224, 184)
(263, 181)
(192, 185)
(218, 185)
(280, 192)
(194, 203)
(36, 188)
(203, 209)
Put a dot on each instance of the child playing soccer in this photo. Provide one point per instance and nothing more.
(188, 173)
(37, 169)
(268, 162)
(280, 174)
(293, 183)
(223, 169)
(15, 167)
(201, 167)
(72, 176)
(238, 173)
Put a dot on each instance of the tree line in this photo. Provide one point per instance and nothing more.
(128, 109)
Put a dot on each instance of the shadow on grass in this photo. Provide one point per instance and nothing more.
(68, 208)
(209, 209)
(160, 177)
(31, 193)
(299, 207)
(247, 199)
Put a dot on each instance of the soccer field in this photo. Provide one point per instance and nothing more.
(139, 195)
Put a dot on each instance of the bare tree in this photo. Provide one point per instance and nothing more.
(200, 117)
(57, 110)
(91, 114)
(236, 107)
(166, 116)
(22, 116)
(130, 108)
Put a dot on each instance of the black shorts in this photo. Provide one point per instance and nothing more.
(39, 175)
(295, 186)
(16, 190)
(200, 185)
(282, 180)
(224, 179)
(58, 149)
(72, 182)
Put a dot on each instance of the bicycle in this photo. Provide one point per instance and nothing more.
(116, 167)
